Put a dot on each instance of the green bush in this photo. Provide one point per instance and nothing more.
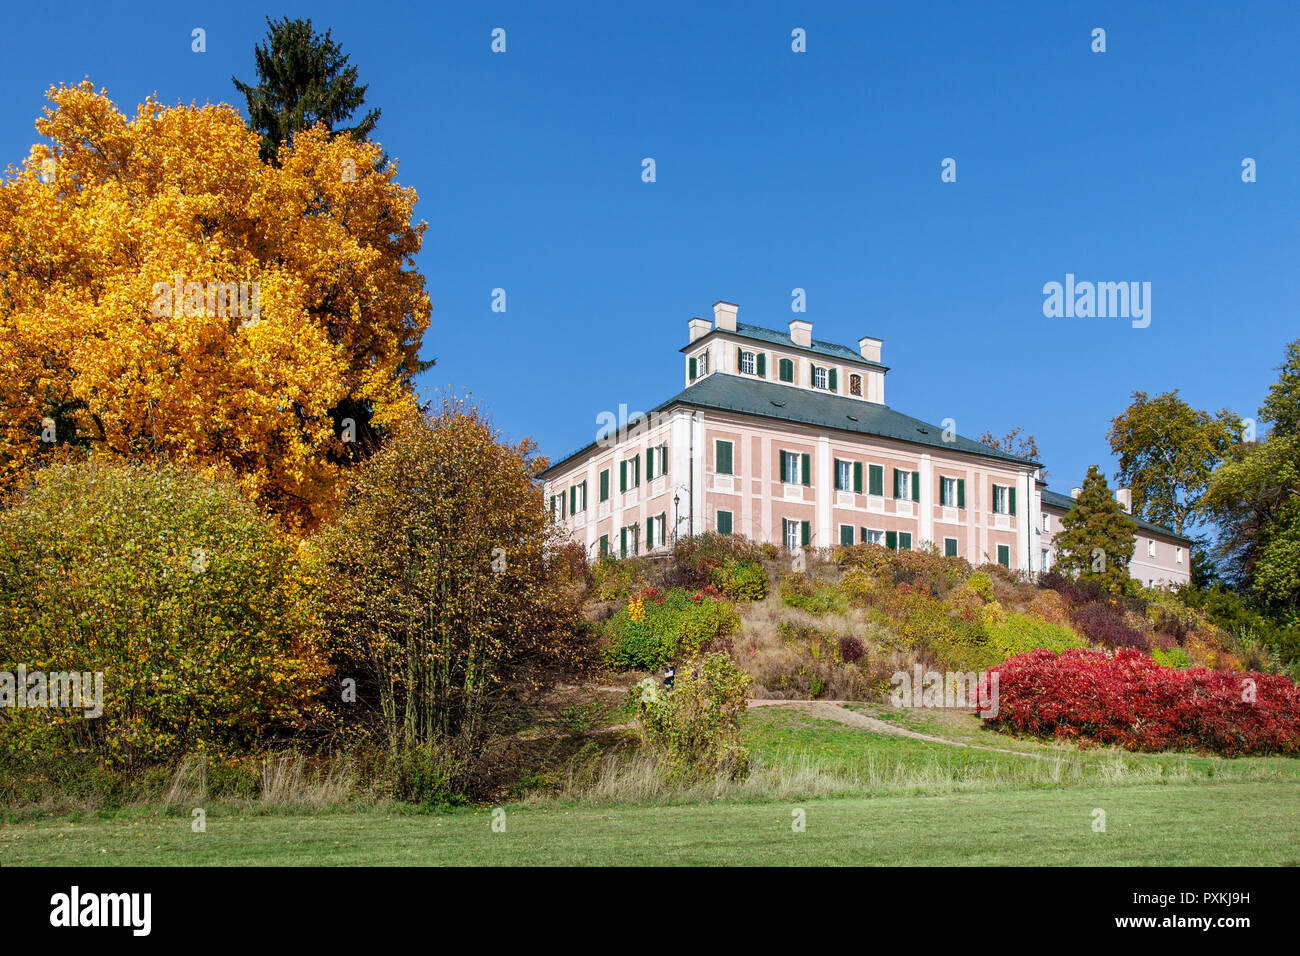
(190, 603)
(815, 597)
(1175, 658)
(614, 579)
(677, 627)
(741, 580)
(696, 728)
(1019, 633)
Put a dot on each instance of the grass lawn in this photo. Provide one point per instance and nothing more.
(955, 806)
(1214, 823)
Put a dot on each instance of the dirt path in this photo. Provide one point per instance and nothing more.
(835, 710)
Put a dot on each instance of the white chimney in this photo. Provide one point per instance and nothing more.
(698, 327)
(1125, 498)
(801, 333)
(1074, 492)
(724, 316)
(870, 348)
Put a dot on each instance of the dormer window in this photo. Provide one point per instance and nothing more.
(855, 385)
(702, 362)
(748, 364)
(819, 378)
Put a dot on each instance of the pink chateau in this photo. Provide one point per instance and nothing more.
(786, 439)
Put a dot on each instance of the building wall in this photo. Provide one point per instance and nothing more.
(759, 501)
(1157, 559)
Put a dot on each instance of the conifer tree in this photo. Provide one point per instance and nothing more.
(1097, 539)
(303, 79)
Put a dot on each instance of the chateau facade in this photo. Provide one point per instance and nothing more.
(786, 439)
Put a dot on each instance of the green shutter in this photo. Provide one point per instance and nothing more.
(857, 477)
(1004, 556)
(832, 379)
(692, 368)
(961, 492)
(898, 483)
(846, 534)
(916, 486)
(636, 472)
(622, 542)
(891, 540)
(904, 541)
(739, 352)
(785, 370)
(1012, 499)
(724, 522)
(950, 547)
(805, 533)
(552, 506)
(785, 479)
(573, 500)
(877, 486)
(622, 476)
(649, 464)
(649, 534)
(762, 364)
(805, 471)
(812, 374)
(862, 535)
(604, 545)
(663, 459)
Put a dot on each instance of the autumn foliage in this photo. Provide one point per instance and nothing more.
(193, 606)
(1130, 701)
(317, 314)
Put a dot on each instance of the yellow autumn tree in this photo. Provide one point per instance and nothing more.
(168, 296)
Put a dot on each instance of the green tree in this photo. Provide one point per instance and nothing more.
(303, 79)
(1167, 451)
(1097, 538)
(1254, 497)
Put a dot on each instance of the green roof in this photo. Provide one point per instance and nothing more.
(841, 353)
(786, 403)
(1055, 499)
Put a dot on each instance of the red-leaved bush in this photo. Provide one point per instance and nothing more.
(1131, 701)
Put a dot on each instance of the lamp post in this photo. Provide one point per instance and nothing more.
(676, 518)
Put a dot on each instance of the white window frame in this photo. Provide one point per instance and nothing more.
(1047, 522)
(947, 491)
(790, 533)
(702, 364)
(748, 363)
(793, 471)
(820, 377)
(1178, 555)
(1151, 547)
(875, 536)
(1000, 499)
(844, 468)
(905, 484)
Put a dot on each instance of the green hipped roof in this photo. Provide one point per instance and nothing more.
(841, 353)
(1055, 499)
(786, 403)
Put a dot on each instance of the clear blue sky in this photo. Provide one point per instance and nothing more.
(779, 170)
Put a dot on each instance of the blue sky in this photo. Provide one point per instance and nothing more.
(778, 170)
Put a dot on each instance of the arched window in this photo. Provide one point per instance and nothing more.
(855, 384)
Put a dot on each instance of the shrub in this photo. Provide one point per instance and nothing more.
(851, 649)
(1175, 657)
(1129, 700)
(741, 580)
(696, 728)
(1020, 633)
(859, 587)
(1103, 623)
(193, 606)
(614, 579)
(679, 626)
(981, 584)
(712, 550)
(815, 597)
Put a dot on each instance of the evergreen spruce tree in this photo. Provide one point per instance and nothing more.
(303, 79)
(1097, 539)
